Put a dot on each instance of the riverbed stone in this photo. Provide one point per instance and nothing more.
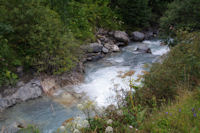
(105, 50)
(121, 44)
(30, 90)
(143, 49)
(137, 36)
(48, 84)
(115, 48)
(121, 36)
(148, 35)
(95, 48)
(108, 46)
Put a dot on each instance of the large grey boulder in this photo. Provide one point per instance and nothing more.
(115, 48)
(94, 56)
(148, 35)
(137, 36)
(95, 48)
(105, 50)
(108, 46)
(143, 49)
(31, 90)
(121, 36)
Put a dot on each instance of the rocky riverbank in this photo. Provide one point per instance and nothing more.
(107, 42)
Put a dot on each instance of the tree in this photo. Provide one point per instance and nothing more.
(181, 14)
(39, 36)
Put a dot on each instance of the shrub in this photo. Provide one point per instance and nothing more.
(181, 14)
(83, 16)
(7, 63)
(39, 37)
(180, 67)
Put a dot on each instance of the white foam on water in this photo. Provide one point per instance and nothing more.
(116, 59)
(161, 51)
(156, 42)
(99, 84)
(156, 47)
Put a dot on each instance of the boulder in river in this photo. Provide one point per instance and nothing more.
(95, 48)
(121, 36)
(31, 90)
(108, 46)
(115, 48)
(105, 50)
(149, 35)
(137, 36)
(121, 44)
(143, 49)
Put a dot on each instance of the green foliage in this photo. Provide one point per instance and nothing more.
(179, 70)
(7, 61)
(82, 17)
(183, 116)
(135, 13)
(158, 7)
(181, 14)
(39, 37)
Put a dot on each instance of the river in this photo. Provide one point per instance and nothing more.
(101, 79)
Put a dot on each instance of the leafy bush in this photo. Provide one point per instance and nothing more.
(7, 61)
(39, 37)
(181, 67)
(181, 14)
(82, 17)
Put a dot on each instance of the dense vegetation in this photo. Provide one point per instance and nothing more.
(181, 15)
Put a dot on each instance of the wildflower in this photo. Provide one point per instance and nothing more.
(62, 128)
(195, 115)
(85, 123)
(166, 113)
(136, 129)
(179, 110)
(80, 106)
(109, 121)
(109, 129)
(79, 126)
(131, 127)
(192, 109)
(76, 131)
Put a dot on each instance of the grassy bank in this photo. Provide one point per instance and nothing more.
(182, 116)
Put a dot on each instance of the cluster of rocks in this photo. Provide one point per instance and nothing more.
(36, 88)
(31, 90)
(111, 41)
(107, 42)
